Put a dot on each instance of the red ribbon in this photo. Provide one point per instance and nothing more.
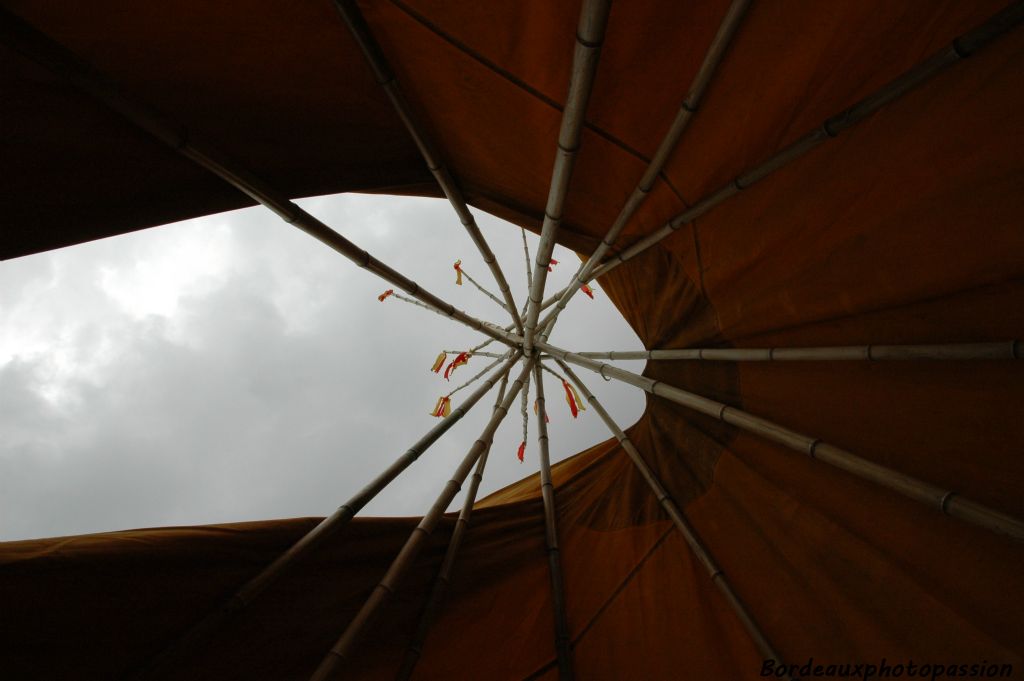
(462, 358)
(571, 400)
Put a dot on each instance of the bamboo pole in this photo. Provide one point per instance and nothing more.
(327, 527)
(475, 354)
(413, 301)
(961, 48)
(947, 501)
(945, 351)
(385, 77)
(524, 410)
(529, 272)
(589, 35)
(700, 551)
(444, 575)
(343, 648)
(526, 254)
(712, 58)
(484, 291)
(563, 642)
(25, 39)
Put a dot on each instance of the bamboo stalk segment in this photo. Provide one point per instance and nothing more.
(703, 555)
(474, 353)
(878, 353)
(526, 255)
(345, 645)
(28, 41)
(524, 410)
(563, 642)
(959, 49)
(716, 51)
(413, 301)
(385, 77)
(589, 36)
(947, 501)
(440, 586)
(479, 287)
(529, 273)
(327, 527)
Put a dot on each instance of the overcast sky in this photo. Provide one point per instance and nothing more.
(232, 368)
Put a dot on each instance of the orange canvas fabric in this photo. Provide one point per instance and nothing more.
(906, 228)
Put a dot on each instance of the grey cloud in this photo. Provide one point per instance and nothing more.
(278, 390)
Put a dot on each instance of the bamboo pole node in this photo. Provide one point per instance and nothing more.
(944, 502)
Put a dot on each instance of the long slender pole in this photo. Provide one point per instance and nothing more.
(961, 48)
(413, 301)
(716, 51)
(718, 578)
(479, 287)
(444, 575)
(563, 641)
(327, 527)
(947, 501)
(526, 255)
(343, 648)
(475, 354)
(386, 79)
(25, 39)
(529, 271)
(945, 351)
(589, 35)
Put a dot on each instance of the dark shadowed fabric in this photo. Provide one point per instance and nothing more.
(906, 228)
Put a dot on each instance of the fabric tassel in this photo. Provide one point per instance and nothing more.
(551, 262)
(536, 409)
(589, 291)
(443, 407)
(576, 395)
(439, 362)
(462, 358)
(522, 451)
(383, 296)
(458, 272)
(572, 398)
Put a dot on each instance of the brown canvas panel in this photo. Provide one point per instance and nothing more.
(904, 229)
